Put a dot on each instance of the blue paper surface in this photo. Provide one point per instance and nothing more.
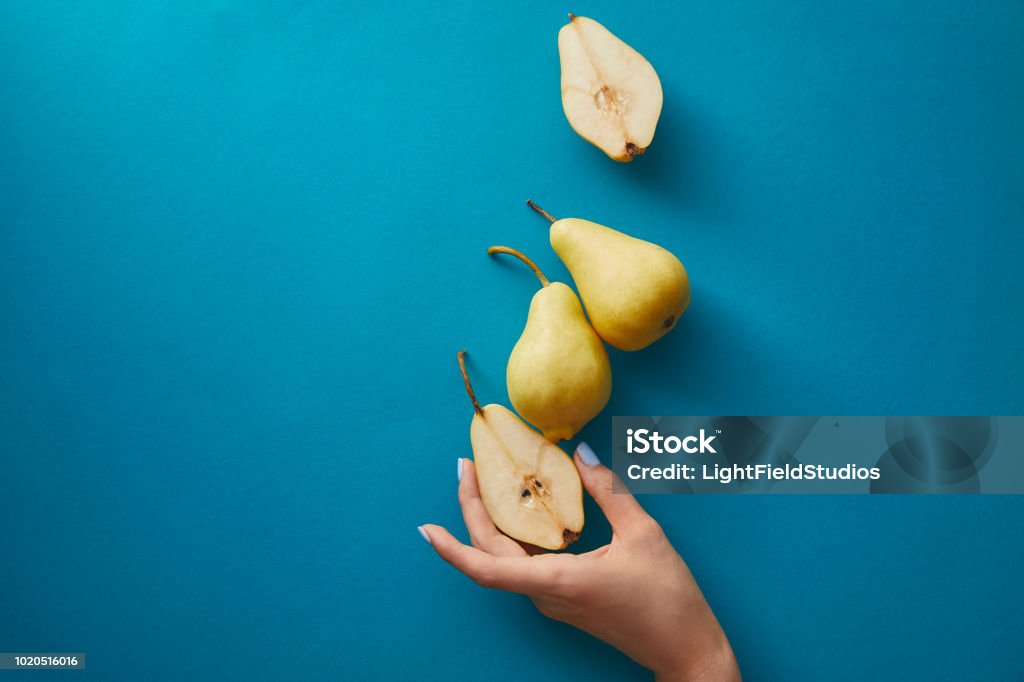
(241, 242)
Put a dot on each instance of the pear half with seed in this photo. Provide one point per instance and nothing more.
(528, 485)
(611, 95)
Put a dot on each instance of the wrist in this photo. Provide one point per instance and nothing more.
(714, 662)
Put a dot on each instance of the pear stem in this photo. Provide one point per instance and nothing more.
(540, 210)
(521, 256)
(465, 380)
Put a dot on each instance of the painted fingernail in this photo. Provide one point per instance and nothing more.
(586, 453)
(460, 468)
(424, 535)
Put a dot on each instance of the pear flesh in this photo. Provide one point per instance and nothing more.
(611, 95)
(634, 291)
(558, 374)
(529, 486)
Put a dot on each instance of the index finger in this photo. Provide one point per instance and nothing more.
(524, 575)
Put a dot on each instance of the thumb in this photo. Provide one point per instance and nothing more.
(621, 509)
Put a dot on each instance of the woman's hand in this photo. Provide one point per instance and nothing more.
(635, 593)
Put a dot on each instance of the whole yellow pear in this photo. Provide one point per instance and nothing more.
(558, 374)
(634, 291)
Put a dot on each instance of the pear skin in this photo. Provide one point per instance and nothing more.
(634, 291)
(529, 486)
(611, 95)
(558, 375)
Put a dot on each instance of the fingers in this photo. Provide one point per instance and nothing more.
(523, 574)
(482, 531)
(624, 513)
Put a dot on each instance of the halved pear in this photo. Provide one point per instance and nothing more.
(528, 485)
(611, 95)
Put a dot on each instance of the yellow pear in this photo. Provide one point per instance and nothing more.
(610, 93)
(558, 374)
(634, 291)
(528, 485)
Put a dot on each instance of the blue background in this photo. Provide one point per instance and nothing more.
(242, 241)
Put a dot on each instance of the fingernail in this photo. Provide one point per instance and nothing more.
(423, 533)
(460, 468)
(587, 454)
